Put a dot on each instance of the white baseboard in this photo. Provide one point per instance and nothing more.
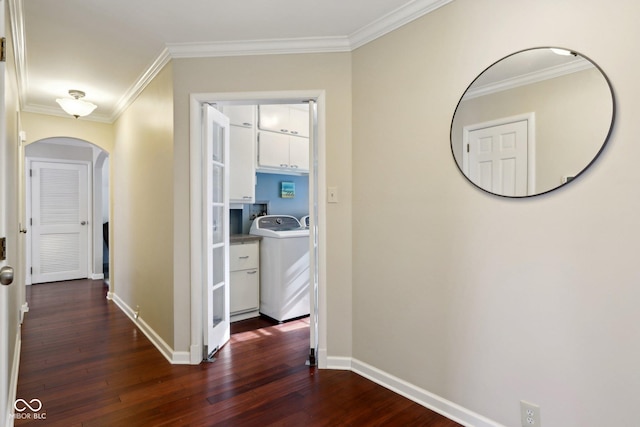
(244, 316)
(423, 397)
(341, 363)
(196, 354)
(174, 357)
(13, 381)
(322, 358)
(97, 276)
(181, 358)
(23, 309)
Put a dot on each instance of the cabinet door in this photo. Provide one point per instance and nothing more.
(299, 153)
(245, 294)
(273, 150)
(240, 115)
(244, 256)
(242, 170)
(299, 120)
(274, 118)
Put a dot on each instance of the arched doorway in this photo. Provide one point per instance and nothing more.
(52, 164)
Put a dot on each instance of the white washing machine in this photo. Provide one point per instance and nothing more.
(284, 266)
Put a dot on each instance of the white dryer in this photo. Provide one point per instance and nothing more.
(284, 266)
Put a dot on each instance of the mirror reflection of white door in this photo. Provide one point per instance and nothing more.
(60, 226)
(216, 213)
(496, 158)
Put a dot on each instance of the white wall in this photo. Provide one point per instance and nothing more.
(41, 126)
(479, 299)
(141, 249)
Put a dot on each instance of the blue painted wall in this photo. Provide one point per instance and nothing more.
(268, 189)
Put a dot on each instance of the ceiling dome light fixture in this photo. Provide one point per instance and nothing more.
(76, 106)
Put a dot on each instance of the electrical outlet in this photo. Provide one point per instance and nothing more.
(136, 313)
(529, 414)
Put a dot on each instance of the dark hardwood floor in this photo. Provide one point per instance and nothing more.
(90, 366)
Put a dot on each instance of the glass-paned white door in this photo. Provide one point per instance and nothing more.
(216, 217)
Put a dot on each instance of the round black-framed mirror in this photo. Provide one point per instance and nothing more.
(532, 122)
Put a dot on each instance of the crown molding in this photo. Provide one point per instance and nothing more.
(54, 111)
(141, 83)
(16, 18)
(530, 78)
(394, 20)
(259, 47)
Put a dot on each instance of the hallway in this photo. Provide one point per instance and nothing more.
(90, 366)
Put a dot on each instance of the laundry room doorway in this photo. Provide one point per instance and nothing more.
(316, 185)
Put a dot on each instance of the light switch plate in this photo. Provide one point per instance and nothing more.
(333, 195)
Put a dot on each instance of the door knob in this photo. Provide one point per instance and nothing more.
(83, 223)
(6, 275)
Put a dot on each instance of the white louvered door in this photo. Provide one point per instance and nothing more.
(60, 213)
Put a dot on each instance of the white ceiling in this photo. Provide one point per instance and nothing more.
(111, 49)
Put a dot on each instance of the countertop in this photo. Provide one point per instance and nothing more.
(243, 238)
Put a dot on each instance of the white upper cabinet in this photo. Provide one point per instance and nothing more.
(241, 115)
(284, 153)
(299, 120)
(299, 153)
(242, 152)
(290, 119)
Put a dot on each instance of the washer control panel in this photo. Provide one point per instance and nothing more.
(278, 223)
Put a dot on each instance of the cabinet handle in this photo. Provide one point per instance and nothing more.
(244, 257)
(293, 132)
(294, 166)
(246, 197)
(252, 272)
(283, 165)
(246, 124)
(284, 130)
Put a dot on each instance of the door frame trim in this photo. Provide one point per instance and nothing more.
(530, 118)
(196, 231)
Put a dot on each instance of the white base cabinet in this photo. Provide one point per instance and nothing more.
(244, 294)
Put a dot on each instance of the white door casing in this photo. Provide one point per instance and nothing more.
(60, 221)
(499, 156)
(216, 222)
